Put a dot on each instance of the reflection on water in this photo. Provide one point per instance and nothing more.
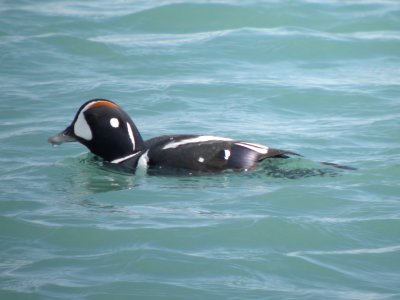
(295, 168)
(90, 174)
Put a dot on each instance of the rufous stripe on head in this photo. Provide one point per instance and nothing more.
(103, 103)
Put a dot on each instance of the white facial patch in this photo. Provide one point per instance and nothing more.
(199, 139)
(130, 132)
(114, 122)
(201, 159)
(82, 128)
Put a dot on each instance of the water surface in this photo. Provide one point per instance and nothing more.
(321, 78)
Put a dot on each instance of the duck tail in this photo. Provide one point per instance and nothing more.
(343, 167)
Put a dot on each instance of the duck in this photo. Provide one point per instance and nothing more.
(109, 133)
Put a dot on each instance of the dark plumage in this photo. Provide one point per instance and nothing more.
(108, 131)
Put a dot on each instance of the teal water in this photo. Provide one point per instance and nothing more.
(321, 78)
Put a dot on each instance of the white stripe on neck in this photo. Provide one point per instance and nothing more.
(131, 135)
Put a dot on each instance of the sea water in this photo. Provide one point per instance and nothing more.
(320, 78)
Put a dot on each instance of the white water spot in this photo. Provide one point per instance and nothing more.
(114, 122)
(201, 159)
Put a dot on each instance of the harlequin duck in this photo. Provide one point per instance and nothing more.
(107, 130)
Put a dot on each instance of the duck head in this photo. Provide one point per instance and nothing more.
(105, 129)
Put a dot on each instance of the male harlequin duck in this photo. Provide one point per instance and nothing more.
(103, 127)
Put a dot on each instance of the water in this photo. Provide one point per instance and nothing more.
(321, 78)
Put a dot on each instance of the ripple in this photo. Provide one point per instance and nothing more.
(388, 249)
(316, 77)
(158, 40)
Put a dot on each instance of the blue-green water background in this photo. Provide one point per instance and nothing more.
(321, 78)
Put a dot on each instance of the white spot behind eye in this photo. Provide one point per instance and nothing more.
(114, 122)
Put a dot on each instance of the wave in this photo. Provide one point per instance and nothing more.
(381, 250)
(183, 17)
(153, 40)
(168, 39)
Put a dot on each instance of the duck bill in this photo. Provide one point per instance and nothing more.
(64, 136)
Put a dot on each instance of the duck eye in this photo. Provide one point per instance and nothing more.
(114, 122)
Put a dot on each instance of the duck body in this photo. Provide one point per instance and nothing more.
(107, 131)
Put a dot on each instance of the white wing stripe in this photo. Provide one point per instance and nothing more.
(199, 139)
(255, 147)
